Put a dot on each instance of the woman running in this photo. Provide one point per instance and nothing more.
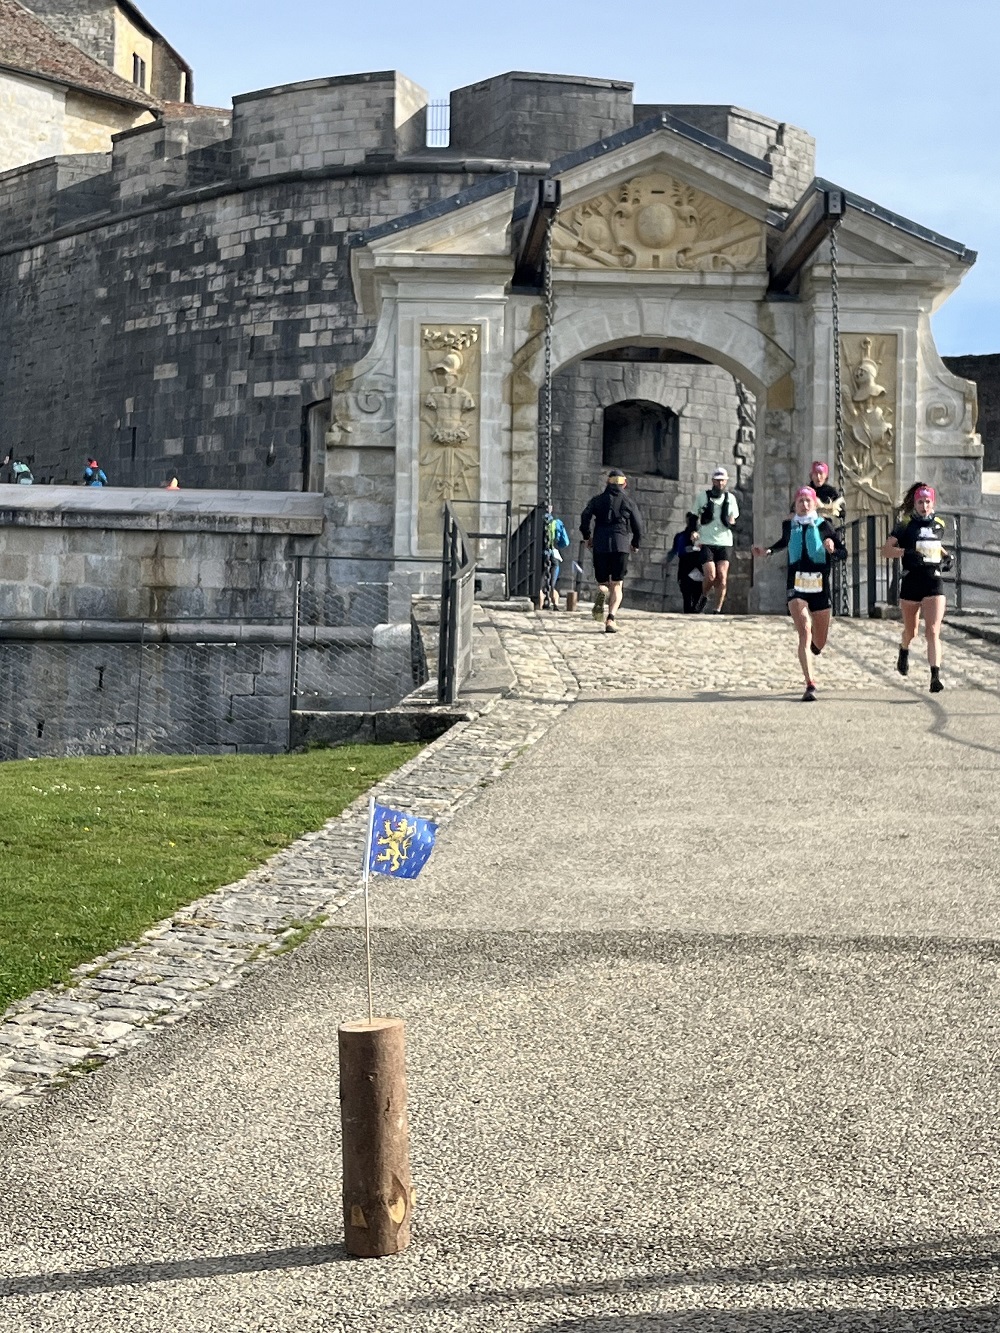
(916, 540)
(813, 544)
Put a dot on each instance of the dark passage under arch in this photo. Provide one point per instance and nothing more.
(642, 438)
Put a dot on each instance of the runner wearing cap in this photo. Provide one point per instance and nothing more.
(612, 527)
(717, 512)
(813, 544)
(916, 540)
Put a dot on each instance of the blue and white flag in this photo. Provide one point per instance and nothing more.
(399, 844)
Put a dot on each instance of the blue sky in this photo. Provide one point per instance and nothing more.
(902, 98)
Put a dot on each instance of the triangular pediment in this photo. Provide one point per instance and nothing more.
(655, 220)
(473, 222)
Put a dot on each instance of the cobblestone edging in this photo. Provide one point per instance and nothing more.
(118, 1001)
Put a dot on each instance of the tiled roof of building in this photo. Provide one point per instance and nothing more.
(30, 46)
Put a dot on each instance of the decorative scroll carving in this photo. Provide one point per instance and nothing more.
(656, 222)
(365, 412)
(869, 407)
(449, 423)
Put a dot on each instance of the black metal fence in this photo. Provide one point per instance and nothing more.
(973, 581)
(458, 591)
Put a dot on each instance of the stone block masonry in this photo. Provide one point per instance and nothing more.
(180, 306)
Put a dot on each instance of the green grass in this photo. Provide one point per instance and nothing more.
(94, 851)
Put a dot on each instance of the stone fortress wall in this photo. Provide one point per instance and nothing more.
(179, 305)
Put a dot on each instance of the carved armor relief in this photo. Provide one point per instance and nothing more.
(449, 424)
(656, 222)
(868, 402)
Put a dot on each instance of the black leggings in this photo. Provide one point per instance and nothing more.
(690, 592)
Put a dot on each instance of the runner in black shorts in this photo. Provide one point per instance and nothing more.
(612, 527)
(813, 544)
(916, 540)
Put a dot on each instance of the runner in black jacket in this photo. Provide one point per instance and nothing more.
(611, 526)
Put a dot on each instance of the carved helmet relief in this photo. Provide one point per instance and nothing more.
(657, 222)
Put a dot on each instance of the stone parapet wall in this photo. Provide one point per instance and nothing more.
(327, 123)
(537, 117)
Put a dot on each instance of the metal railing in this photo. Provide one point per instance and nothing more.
(873, 582)
(526, 560)
(490, 550)
(438, 123)
(458, 591)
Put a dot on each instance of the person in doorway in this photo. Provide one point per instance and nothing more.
(917, 541)
(556, 541)
(690, 557)
(717, 511)
(611, 526)
(829, 500)
(94, 474)
(812, 544)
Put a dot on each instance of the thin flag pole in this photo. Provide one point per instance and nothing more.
(368, 928)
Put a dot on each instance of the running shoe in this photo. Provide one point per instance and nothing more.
(813, 649)
(903, 662)
(701, 604)
(598, 610)
(810, 695)
(609, 626)
(937, 685)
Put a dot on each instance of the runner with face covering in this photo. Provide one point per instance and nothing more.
(812, 544)
(916, 541)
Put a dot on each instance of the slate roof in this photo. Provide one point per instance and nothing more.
(29, 46)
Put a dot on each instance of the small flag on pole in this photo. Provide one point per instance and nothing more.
(399, 844)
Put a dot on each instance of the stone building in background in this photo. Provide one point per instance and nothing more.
(73, 73)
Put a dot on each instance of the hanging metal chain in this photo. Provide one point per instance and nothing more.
(546, 421)
(843, 600)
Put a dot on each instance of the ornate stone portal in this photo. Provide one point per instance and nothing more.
(449, 424)
(868, 401)
(657, 222)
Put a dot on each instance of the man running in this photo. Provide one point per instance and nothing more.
(717, 511)
(611, 526)
(812, 543)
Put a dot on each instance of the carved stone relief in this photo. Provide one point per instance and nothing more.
(868, 400)
(656, 222)
(449, 424)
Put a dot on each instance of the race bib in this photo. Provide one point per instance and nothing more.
(929, 550)
(808, 581)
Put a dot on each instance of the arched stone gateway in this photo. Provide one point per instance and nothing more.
(667, 252)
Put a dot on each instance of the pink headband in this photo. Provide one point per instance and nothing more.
(805, 490)
(924, 493)
(821, 467)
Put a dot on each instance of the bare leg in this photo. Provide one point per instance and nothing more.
(911, 617)
(708, 578)
(933, 609)
(721, 582)
(820, 628)
(800, 619)
(614, 596)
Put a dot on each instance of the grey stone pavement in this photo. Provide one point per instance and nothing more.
(701, 993)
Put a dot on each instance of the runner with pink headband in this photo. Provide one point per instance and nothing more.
(812, 544)
(917, 542)
(829, 501)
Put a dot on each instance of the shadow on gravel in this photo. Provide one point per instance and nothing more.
(918, 1263)
(179, 1270)
(970, 1319)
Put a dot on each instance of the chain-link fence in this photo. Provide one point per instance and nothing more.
(196, 687)
(355, 646)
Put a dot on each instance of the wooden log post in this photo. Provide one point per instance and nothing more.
(572, 598)
(378, 1190)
